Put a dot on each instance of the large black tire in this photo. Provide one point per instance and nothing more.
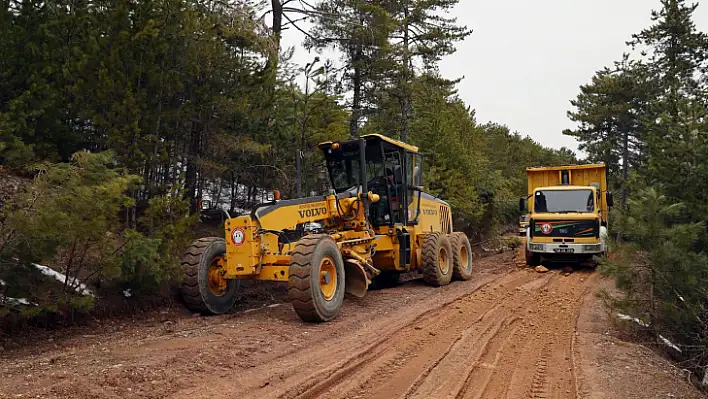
(316, 297)
(461, 256)
(385, 280)
(436, 259)
(532, 259)
(197, 292)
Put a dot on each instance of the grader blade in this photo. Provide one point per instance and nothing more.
(357, 282)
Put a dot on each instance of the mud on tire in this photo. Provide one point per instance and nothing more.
(461, 256)
(195, 288)
(316, 279)
(531, 258)
(436, 255)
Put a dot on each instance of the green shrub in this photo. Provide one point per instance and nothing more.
(661, 272)
(68, 219)
(152, 256)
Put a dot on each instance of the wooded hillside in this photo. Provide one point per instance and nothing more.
(128, 112)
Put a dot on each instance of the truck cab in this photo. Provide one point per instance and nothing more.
(567, 220)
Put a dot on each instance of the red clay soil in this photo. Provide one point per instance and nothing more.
(508, 333)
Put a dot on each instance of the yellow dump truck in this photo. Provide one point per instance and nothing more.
(568, 208)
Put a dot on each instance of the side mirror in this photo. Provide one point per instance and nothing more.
(204, 205)
(610, 200)
(522, 204)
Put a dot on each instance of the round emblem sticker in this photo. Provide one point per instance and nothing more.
(546, 228)
(238, 236)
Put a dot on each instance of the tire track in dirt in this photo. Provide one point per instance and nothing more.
(255, 354)
(507, 335)
(418, 348)
(412, 341)
(539, 381)
(479, 355)
(311, 370)
(510, 339)
(541, 365)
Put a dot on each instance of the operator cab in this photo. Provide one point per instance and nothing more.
(387, 167)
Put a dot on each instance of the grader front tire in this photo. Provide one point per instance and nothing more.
(316, 279)
(461, 256)
(204, 289)
(436, 260)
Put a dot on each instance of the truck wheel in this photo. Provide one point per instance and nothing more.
(436, 259)
(204, 288)
(532, 259)
(316, 279)
(461, 256)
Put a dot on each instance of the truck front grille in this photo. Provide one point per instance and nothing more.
(566, 228)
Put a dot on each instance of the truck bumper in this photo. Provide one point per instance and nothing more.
(566, 248)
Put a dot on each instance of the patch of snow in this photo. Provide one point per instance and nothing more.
(127, 293)
(16, 301)
(622, 316)
(643, 324)
(79, 286)
(669, 343)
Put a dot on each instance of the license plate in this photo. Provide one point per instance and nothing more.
(564, 250)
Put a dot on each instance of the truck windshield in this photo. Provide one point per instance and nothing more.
(564, 201)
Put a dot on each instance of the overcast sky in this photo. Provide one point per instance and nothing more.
(525, 59)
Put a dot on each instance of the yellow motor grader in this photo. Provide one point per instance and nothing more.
(376, 223)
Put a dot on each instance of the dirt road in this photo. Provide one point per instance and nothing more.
(508, 333)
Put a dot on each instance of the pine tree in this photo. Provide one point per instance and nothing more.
(423, 33)
(677, 51)
(661, 274)
(611, 112)
(675, 135)
(360, 30)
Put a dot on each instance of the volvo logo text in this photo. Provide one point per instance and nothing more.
(308, 213)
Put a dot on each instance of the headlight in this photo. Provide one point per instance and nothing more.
(538, 247)
(591, 247)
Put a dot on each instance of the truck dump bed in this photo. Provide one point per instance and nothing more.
(574, 175)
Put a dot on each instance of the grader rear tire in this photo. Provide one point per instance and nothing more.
(204, 289)
(461, 256)
(316, 279)
(436, 259)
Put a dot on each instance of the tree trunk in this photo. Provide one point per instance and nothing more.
(191, 175)
(625, 169)
(232, 205)
(277, 8)
(406, 103)
(356, 98)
